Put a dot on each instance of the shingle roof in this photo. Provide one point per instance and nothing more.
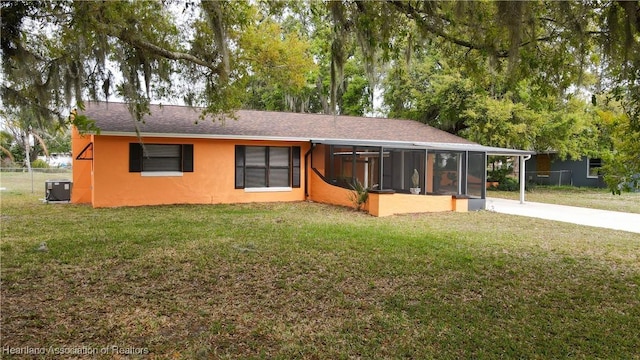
(113, 118)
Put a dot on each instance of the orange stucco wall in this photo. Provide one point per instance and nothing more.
(390, 204)
(211, 182)
(322, 192)
(81, 192)
(107, 182)
(460, 205)
(318, 155)
(384, 204)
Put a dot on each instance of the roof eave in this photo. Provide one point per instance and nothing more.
(345, 142)
(204, 136)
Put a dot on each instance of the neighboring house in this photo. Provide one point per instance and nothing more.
(176, 157)
(56, 160)
(549, 169)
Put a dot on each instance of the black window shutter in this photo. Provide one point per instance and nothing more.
(135, 157)
(187, 158)
(239, 166)
(295, 157)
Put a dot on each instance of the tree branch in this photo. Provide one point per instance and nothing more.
(410, 11)
(137, 42)
(173, 55)
(17, 96)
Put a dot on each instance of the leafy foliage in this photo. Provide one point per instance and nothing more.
(621, 166)
(39, 164)
(359, 195)
(513, 74)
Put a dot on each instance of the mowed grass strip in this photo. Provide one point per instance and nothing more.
(305, 280)
(577, 196)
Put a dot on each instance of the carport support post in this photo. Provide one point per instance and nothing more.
(522, 176)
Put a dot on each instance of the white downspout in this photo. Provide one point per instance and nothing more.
(522, 176)
(366, 172)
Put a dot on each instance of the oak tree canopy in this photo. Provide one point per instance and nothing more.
(542, 75)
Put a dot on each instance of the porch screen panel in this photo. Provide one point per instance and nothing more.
(447, 173)
(399, 165)
(475, 175)
(340, 167)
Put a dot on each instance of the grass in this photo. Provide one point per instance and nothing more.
(305, 280)
(16, 183)
(576, 196)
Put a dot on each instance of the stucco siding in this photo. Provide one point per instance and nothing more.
(211, 182)
(82, 176)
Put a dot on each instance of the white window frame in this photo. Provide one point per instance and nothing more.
(589, 167)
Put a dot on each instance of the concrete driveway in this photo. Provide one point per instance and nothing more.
(600, 218)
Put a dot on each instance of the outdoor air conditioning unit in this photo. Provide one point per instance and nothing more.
(58, 190)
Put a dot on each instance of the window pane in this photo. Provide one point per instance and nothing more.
(278, 177)
(161, 150)
(278, 156)
(161, 164)
(255, 156)
(594, 167)
(240, 155)
(239, 177)
(255, 177)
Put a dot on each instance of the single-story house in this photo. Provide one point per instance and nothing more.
(549, 169)
(174, 157)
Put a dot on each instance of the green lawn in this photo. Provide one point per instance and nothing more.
(574, 196)
(24, 182)
(305, 280)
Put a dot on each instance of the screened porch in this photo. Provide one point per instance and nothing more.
(403, 169)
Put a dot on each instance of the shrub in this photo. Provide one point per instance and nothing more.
(359, 195)
(508, 184)
(499, 175)
(39, 164)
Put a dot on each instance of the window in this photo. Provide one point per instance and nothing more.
(267, 167)
(160, 158)
(593, 169)
(543, 165)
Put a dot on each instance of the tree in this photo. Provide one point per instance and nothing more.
(6, 157)
(24, 136)
(621, 161)
(232, 54)
(556, 49)
(56, 54)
